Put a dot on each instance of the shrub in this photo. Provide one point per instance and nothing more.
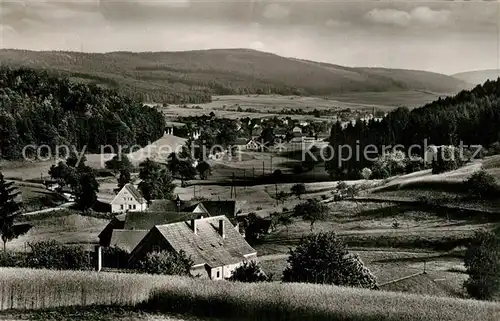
(482, 185)
(298, 190)
(57, 256)
(341, 185)
(114, 257)
(11, 259)
(414, 164)
(447, 158)
(248, 272)
(482, 261)
(166, 262)
(366, 173)
(323, 258)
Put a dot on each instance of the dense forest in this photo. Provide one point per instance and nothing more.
(471, 117)
(39, 109)
(192, 77)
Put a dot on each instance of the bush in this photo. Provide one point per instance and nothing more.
(447, 158)
(11, 259)
(341, 185)
(248, 272)
(414, 164)
(366, 173)
(482, 261)
(323, 258)
(57, 256)
(482, 185)
(114, 257)
(298, 190)
(166, 262)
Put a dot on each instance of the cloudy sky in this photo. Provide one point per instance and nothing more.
(440, 35)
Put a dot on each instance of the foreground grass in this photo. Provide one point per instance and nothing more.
(42, 289)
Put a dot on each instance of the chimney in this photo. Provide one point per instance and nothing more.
(221, 229)
(193, 225)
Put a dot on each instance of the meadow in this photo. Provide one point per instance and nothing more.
(43, 289)
(226, 106)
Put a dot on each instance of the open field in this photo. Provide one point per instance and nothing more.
(38, 289)
(65, 226)
(226, 106)
(391, 264)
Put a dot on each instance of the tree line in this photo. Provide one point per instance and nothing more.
(471, 117)
(40, 109)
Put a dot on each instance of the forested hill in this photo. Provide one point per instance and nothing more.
(471, 117)
(193, 76)
(39, 109)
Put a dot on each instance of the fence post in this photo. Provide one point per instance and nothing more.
(98, 261)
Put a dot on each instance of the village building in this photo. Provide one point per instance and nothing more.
(128, 199)
(214, 245)
(253, 144)
(124, 230)
(241, 143)
(256, 132)
(297, 129)
(280, 132)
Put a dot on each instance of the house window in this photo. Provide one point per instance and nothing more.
(156, 248)
(129, 207)
(121, 207)
(218, 274)
(135, 207)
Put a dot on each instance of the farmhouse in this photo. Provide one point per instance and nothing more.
(159, 213)
(128, 199)
(213, 243)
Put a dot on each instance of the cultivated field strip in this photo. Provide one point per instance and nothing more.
(39, 289)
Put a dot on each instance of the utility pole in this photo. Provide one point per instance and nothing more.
(276, 193)
(263, 167)
(271, 164)
(234, 186)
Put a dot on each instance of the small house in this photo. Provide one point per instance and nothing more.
(128, 199)
(297, 129)
(213, 244)
(252, 145)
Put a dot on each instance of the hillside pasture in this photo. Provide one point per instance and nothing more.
(389, 265)
(42, 289)
(65, 226)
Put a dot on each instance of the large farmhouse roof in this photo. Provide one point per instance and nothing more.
(127, 239)
(146, 220)
(207, 246)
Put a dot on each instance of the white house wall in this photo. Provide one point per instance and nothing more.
(124, 202)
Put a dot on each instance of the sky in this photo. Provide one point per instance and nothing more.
(440, 35)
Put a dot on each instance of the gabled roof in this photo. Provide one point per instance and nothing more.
(171, 206)
(132, 191)
(146, 220)
(215, 208)
(207, 246)
(127, 239)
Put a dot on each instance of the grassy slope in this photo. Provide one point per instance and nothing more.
(35, 289)
(240, 68)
